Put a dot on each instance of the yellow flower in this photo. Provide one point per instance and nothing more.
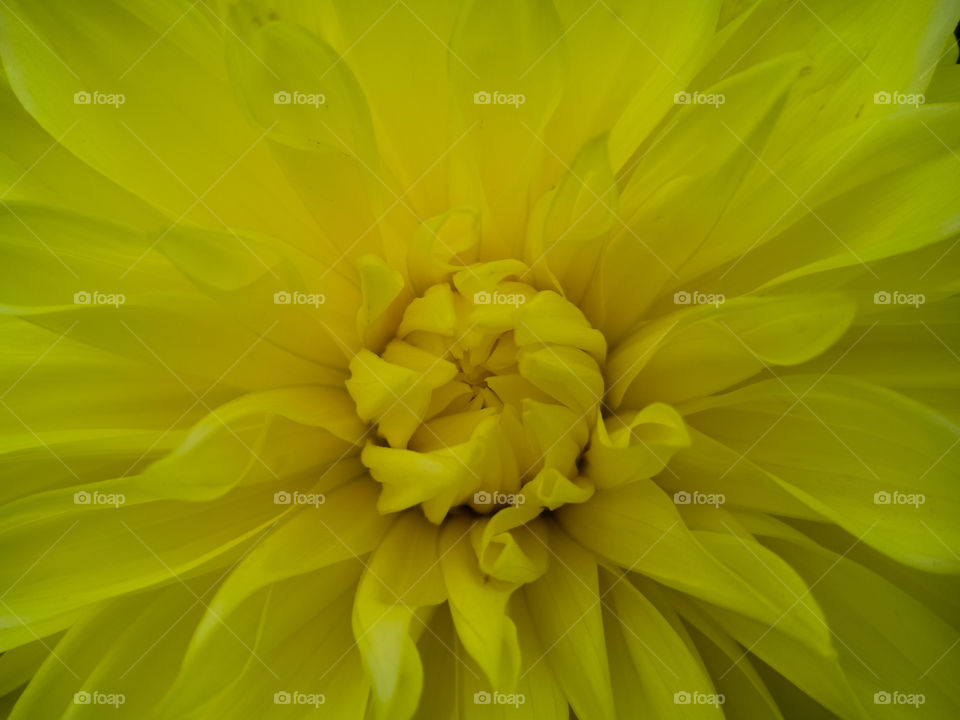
(412, 359)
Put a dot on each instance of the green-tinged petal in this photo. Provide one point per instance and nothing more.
(441, 245)
(656, 48)
(549, 319)
(637, 527)
(384, 296)
(659, 232)
(103, 285)
(905, 348)
(255, 439)
(307, 307)
(744, 693)
(37, 168)
(479, 608)
(20, 664)
(565, 373)
(893, 637)
(565, 605)
(857, 49)
(345, 526)
(820, 677)
(102, 550)
(166, 126)
(872, 461)
(625, 449)
(401, 582)
(512, 547)
(708, 349)
(565, 235)
(287, 637)
(301, 94)
(665, 668)
(400, 55)
(439, 478)
(441, 669)
(828, 207)
(388, 391)
(113, 653)
(711, 468)
(503, 93)
(456, 689)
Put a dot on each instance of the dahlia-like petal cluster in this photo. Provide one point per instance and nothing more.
(425, 360)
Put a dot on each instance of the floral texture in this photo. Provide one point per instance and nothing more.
(510, 358)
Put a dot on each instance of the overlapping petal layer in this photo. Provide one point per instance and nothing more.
(464, 360)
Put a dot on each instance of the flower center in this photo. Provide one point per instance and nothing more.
(486, 393)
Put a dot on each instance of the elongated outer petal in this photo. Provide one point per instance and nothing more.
(286, 636)
(401, 581)
(515, 51)
(636, 526)
(183, 147)
(345, 526)
(565, 605)
(666, 668)
(896, 636)
(86, 553)
(478, 605)
(701, 350)
(872, 461)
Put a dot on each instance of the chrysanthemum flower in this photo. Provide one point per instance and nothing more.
(419, 359)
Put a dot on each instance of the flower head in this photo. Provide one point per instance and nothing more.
(439, 360)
